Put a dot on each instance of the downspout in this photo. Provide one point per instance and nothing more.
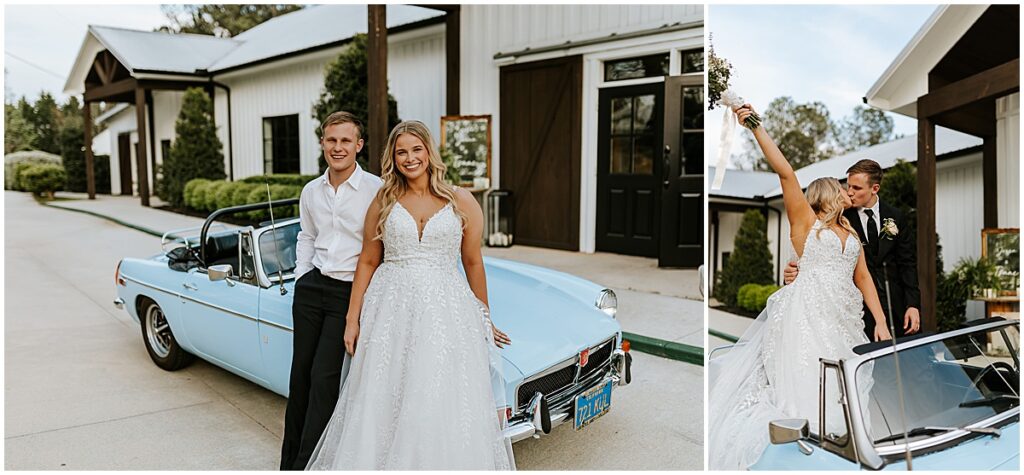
(231, 143)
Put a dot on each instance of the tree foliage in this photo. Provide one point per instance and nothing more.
(45, 120)
(346, 88)
(220, 20)
(196, 151)
(806, 133)
(18, 132)
(750, 261)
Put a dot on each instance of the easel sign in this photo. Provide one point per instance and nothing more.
(467, 138)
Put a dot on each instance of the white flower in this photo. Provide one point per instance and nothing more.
(730, 99)
(889, 228)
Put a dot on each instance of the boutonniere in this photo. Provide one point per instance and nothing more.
(889, 228)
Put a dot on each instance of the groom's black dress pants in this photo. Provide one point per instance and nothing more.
(319, 307)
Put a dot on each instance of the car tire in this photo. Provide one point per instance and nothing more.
(160, 343)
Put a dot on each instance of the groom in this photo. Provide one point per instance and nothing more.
(332, 209)
(889, 250)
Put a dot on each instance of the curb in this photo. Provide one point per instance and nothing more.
(723, 335)
(666, 349)
(644, 344)
(108, 218)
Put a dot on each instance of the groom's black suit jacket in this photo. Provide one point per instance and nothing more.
(899, 254)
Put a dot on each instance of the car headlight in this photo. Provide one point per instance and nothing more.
(607, 302)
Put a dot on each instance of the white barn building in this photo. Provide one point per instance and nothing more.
(551, 77)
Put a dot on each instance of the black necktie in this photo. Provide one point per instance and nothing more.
(872, 233)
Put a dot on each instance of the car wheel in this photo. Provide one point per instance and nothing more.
(163, 349)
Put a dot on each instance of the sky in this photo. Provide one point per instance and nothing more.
(41, 42)
(827, 53)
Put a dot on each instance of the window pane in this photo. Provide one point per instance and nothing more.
(692, 158)
(644, 110)
(693, 108)
(632, 68)
(622, 114)
(620, 154)
(643, 155)
(692, 60)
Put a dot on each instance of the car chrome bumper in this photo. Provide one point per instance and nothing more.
(119, 303)
(531, 425)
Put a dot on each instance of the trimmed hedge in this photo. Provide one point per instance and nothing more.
(12, 161)
(206, 195)
(43, 178)
(280, 179)
(754, 297)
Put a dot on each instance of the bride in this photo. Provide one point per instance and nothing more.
(772, 372)
(419, 394)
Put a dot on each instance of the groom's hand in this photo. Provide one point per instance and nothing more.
(911, 321)
(789, 275)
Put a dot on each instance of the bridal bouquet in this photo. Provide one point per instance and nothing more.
(719, 72)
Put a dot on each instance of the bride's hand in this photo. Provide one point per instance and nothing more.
(882, 333)
(351, 335)
(500, 338)
(742, 112)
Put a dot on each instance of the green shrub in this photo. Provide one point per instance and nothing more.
(750, 262)
(189, 192)
(196, 150)
(277, 192)
(44, 178)
(210, 195)
(280, 179)
(760, 297)
(226, 194)
(744, 296)
(961, 284)
(12, 179)
(199, 195)
(240, 195)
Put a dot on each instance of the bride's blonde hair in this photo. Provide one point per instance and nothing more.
(395, 184)
(825, 195)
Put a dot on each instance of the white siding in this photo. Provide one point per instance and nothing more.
(1008, 160)
(117, 125)
(415, 76)
(959, 197)
(166, 107)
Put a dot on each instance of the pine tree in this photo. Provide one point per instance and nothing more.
(196, 151)
(46, 121)
(346, 88)
(750, 261)
(18, 133)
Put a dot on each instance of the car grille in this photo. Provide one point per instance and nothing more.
(558, 381)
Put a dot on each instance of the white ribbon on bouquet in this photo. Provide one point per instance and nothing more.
(731, 101)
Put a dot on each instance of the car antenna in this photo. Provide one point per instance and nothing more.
(896, 359)
(273, 229)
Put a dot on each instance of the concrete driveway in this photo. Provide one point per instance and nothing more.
(81, 393)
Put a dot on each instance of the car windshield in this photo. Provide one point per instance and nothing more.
(287, 236)
(953, 382)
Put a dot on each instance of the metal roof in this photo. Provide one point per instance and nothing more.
(160, 52)
(757, 184)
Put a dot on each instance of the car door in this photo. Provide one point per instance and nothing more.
(276, 252)
(221, 321)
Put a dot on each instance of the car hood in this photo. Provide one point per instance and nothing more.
(544, 314)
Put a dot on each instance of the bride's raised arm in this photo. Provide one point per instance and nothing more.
(801, 216)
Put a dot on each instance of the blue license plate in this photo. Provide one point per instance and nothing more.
(593, 404)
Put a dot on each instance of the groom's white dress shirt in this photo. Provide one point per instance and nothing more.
(864, 217)
(331, 222)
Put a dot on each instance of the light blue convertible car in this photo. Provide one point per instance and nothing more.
(960, 402)
(228, 301)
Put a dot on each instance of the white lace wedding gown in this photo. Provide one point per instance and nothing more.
(773, 371)
(418, 395)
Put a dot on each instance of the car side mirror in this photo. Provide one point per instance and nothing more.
(785, 431)
(220, 272)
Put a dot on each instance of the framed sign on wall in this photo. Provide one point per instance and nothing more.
(466, 147)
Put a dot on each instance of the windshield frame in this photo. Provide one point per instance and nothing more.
(874, 456)
(267, 281)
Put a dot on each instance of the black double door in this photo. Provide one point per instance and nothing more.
(650, 171)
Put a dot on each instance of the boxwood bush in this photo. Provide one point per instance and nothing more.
(43, 178)
(754, 297)
(280, 179)
(12, 162)
(208, 196)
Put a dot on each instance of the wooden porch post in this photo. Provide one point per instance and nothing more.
(926, 251)
(452, 43)
(140, 153)
(90, 174)
(990, 181)
(377, 78)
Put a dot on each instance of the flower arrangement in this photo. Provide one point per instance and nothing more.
(719, 72)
